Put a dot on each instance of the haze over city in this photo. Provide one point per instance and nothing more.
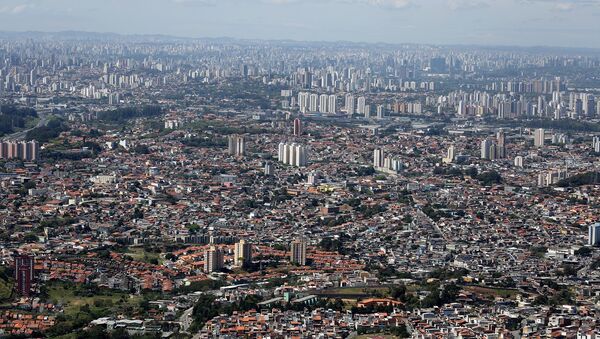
(300, 169)
(568, 23)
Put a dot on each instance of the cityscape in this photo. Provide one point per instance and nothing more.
(156, 186)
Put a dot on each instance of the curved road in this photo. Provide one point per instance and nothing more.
(44, 118)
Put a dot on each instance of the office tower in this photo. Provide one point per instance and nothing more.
(298, 252)
(313, 103)
(378, 158)
(24, 274)
(242, 253)
(213, 259)
(323, 103)
(332, 108)
(350, 104)
(501, 144)
(519, 161)
(360, 107)
(237, 145)
(451, 155)
(594, 234)
(485, 149)
(297, 127)
(538, 137)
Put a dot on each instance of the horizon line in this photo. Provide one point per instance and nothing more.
(177, 37)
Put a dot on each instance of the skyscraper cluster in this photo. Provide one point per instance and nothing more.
(293, 154)
(313, 103)
(494, 150)
(27, 151)
(385, 164)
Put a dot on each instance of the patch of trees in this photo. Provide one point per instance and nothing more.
(564, 125)
(14, 117)
(434, 214)
(206, 308)
(489, 178)
(205, 142)
(46, 133)
(128, 113)
(60, 155)
(588, 178)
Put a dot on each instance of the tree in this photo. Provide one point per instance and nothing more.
(489, 178)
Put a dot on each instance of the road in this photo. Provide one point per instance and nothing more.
(44, 118)
(186, 319)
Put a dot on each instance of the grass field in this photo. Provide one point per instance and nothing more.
(72, 301)
(492, 292)
(139, 254)
(349, 291)
(375, 336)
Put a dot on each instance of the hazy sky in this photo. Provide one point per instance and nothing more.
(496, 22)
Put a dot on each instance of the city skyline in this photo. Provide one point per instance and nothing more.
(448, 22)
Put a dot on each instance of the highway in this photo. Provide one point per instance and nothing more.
(44, 118)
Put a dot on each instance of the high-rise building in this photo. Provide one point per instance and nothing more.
(268, 168)
(539, 137)
(519, 161)
(24, 274)
(332, 106)
(237, 145)
(297, 127)
(242, 253)
(450, 156)
(485, 149)
(380, 112)
(360, 107)
(313, 102)
(596, 144)
(378, 158)
(27, 151)
(350, 104)
(213, 259)
(594, 234)
(501, 144)
(293, 154)
(303, 101)
(298, 252)
(323, 103)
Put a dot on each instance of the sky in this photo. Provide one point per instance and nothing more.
(566, 23)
